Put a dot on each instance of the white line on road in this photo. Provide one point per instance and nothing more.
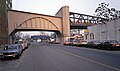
(89, 60)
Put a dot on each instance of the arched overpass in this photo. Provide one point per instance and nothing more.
(31, 21)
(37, 23)
(26, 21)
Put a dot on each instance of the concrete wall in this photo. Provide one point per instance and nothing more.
(110, 30)
(61, 21)
(64, 13)
(18, 17)
(3, 23)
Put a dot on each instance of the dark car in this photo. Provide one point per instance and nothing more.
(93, 44)
(109, 44)
(11, 51)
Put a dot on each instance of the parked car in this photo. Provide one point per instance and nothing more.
(68, 43)
(24, 44)
(93, 44)
(80, 44)
(54, 42)
(14, 50)
(109, 44)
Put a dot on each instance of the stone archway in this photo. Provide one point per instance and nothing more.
(37, 23)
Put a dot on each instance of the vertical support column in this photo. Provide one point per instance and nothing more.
(66, 23)
(10, 40)
(64, 13)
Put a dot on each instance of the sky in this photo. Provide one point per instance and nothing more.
(51, 7)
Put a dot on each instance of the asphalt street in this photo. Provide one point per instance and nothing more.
(55, 57)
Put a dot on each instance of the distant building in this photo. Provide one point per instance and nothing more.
(4, 6)
(42, 37)
(105, 31)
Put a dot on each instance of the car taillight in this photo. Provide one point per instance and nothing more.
(115, 44)
(67, 42)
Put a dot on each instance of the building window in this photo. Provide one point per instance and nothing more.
(86, 35)
(91, 36)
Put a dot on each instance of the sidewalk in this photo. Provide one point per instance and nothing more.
(105, 51)
(110, 52)
(115, 52)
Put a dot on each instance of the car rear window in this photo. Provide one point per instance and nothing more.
(114, 42)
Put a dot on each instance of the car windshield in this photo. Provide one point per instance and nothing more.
(96, 41)
(12, 47)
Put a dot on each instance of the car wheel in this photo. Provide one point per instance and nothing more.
(2, 58)
(109, 49)
(17, 56)
(87, 46)
(98, 47)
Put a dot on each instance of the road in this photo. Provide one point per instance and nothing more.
(55, 57)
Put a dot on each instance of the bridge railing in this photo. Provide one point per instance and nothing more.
(84, 20)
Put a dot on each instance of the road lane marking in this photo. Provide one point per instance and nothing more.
(89, 60)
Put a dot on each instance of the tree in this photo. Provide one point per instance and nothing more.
(105, 12)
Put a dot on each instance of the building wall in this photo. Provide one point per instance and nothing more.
(110, 30)
(3, 23)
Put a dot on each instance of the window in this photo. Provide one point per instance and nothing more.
(91, 36)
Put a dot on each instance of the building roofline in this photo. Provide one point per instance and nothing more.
(33, 13)
(60, 9)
